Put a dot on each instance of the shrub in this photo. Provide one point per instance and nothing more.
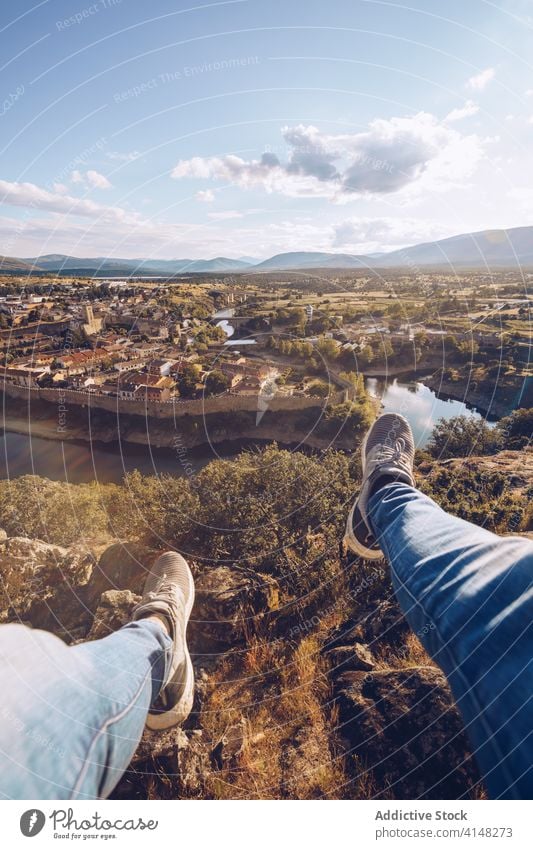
(517, 429)
(59, 513)
(463, 436)
(478, 496)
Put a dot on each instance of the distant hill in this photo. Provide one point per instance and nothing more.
(487, 248)
(220, 263)
(102, 266)
(492, 248)
(250, 260)
(9, 264)
(61, 263)
(307, 259)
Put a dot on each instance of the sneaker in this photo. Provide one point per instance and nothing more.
(387, 452)
(169, 593)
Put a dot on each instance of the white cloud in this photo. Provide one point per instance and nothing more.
(470, 108)
(34, 197)
(92, 179)
(529, 92)
(479, 81)
(97, 180)
(390, 156)
(205, 197)
(368, 235)
(65, 233)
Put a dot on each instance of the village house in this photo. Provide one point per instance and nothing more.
(153, 393)
(79, 362)
(28, 376)
(161, 366)
(125, 391)
(153, 387)
(109, 387)
(249, 385)
(130, 365)
(247, 377)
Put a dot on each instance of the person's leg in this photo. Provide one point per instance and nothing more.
(72, 717)
(468, 595)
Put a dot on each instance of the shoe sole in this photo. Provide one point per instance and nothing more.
(350, 541)
(181, 710)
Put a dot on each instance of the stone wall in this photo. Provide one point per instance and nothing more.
(169, 409)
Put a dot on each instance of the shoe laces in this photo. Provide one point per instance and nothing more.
(391, 453)
(165, 591)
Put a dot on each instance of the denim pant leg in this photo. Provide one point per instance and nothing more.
(468, 595)
(71, 717)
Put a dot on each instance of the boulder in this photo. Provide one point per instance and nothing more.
(45, 586)
(168, 765)
(381, 625)
(231, 605)
(114, 611)
(352, 657)
(402, 728)
(34, 552)
(122, 566)
(160, 744)
(232, 744)
(384, 624)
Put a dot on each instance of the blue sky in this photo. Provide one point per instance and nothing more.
(244, 128)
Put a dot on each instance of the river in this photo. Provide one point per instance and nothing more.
(81, 462)
(419, 404)
(229, 330)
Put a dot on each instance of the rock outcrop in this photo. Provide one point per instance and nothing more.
(312, 717)
(45, 586)
(402, 727)
(122, 566)
(231, 605)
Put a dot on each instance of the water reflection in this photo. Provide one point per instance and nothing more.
(419, 404)
(82, 462)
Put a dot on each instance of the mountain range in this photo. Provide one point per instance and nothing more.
(488, 249)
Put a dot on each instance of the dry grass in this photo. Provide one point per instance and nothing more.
(412, 653)
(274, 693)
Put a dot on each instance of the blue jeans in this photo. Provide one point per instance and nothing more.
(71, 717)
(468, 595)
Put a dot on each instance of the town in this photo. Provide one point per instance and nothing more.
(118, 340)
(166, 342)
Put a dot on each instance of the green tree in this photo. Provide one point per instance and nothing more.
(516, 430)
(366, 356)
(328, 348)
(188, 379)
(216, 382)
(463, 436)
